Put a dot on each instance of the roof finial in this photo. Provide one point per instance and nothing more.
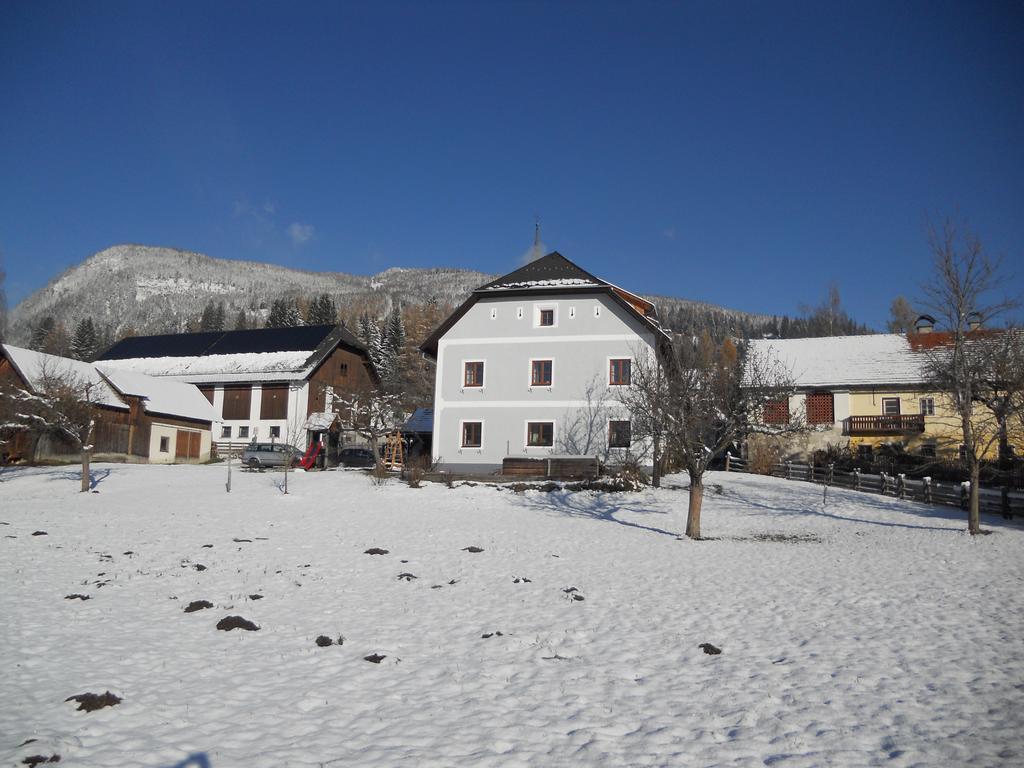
(536, 240)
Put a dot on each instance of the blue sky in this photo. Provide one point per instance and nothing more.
(744, 154)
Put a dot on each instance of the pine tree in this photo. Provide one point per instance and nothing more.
(241, 321)
(395, 332)
(206, 322)
(84, 344)
(322, 311)
(219, 317)
(278, 314)
(292, 317)
(41, 333)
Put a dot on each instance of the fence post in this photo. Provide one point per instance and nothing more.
(728, 460)
(901, 486)
(965, 491)
(856, 478)
(789, 470)
(831, 473)
(1006, 503)
(927, 489)
(885, 483)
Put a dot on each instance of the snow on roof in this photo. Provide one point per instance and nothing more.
(166, 396)
(34, 366)
(566, 282)
(248, 366)
(881, 358)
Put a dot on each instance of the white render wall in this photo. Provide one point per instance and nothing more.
(259, 429)
(503, 332)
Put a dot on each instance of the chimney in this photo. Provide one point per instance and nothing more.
(924, 324)
(973, 321)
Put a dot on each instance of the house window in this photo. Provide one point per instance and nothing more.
(540, 373)
(619, 372)
(547, 317)
(343, 369)
(776, 411)
(620, 434)
(225, 432)
(820, 408)
(927, 406)
(275, 431)
(928, 449)
(890, 406)
(243, 431)
(866, 452)
(165, 445)
(472, 434)
(473, 374)
(540, 434)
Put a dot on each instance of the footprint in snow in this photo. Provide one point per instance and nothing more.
(572, 593)
(487, 635)
(33, 760)
(406, 577)
(522, 580)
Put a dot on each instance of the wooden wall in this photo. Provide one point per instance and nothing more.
(343, 370)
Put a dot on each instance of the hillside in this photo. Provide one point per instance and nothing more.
(144, 289)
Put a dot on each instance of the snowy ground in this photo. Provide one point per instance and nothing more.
(883, 636)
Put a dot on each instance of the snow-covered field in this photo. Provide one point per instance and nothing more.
(874, 632)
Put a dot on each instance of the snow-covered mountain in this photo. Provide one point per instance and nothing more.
(148, 289)
(160, 290)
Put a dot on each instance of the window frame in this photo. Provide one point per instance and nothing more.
(928, 410)
(465, 370)
(538, 315)
(243, 431)
(886, 401)
(225, 431)
(462, 434)
(611, 361)
(629, 433)
(275, 432)
(165, 444)
(767, 413)
(534, 360)
(526, 442)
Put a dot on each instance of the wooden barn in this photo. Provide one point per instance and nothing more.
(136, 416)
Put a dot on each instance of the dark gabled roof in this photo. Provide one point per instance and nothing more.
(549, 274)
(301, 339)
(548, 271)
(422, 420)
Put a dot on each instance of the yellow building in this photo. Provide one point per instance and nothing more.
(867, 391)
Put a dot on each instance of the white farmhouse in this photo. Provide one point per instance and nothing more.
(526, 362)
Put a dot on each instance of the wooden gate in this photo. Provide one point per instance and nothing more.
(186, 444)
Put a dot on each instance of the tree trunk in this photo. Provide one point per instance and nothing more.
(974, 502)
(693, 513)
(85, 471)
(656, 470)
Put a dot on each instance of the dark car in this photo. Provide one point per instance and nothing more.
(258, 455)
(356, 457)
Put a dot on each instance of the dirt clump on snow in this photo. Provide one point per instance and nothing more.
(198, 605)
(38, 759)
(89, 702)
(77, 596)
(40, 533)
(375, 551)
(374, 658)
(407, 577)
(474, 550)
(255, 596)
(709, 649)
(236, 622)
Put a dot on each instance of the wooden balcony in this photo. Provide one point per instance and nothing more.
(883, 425)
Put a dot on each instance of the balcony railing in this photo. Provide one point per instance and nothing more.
(883, 425)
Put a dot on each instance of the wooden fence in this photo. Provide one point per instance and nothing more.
(1000, 501)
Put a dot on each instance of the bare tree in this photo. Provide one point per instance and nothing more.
(647, 399)
(901, 316)
(586, 428)
(371, 413)
(717, 396)
(964, 362)
(58, 403)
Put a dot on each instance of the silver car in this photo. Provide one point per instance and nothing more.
(259, 455)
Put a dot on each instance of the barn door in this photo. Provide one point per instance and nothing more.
(194, 440)
(181, 444)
